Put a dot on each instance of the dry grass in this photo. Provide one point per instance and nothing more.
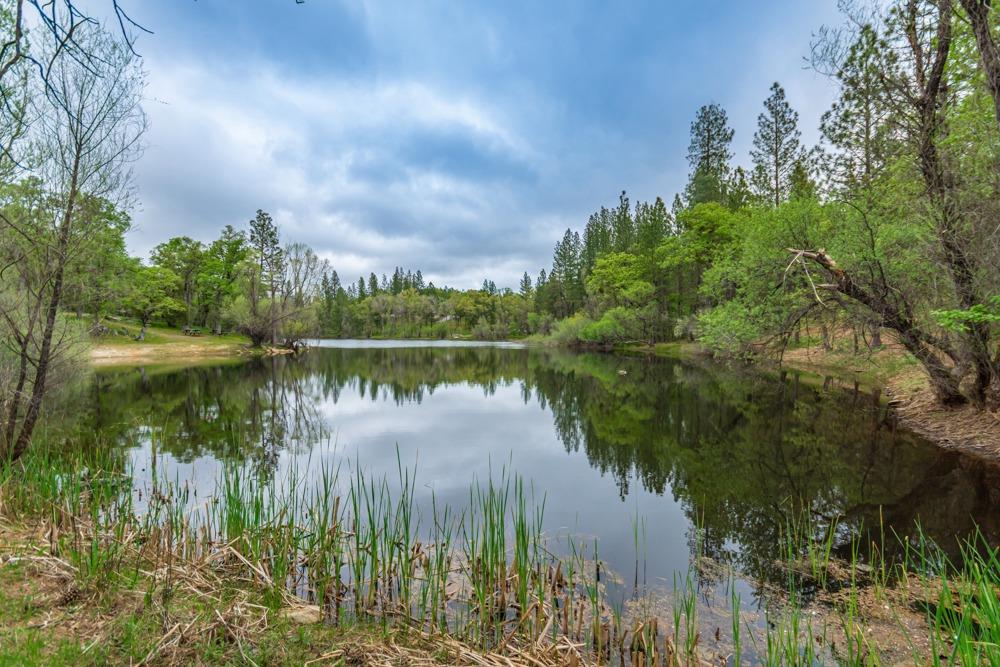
(188, 605)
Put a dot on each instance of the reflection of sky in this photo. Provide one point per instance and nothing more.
(459, 435)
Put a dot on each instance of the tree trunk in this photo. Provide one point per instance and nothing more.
(989, 50)
(876, 342)
(926, 348)
(45, 351)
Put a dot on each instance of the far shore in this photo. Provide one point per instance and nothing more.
(889, 369)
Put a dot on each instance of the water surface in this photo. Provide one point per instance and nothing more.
(621, 448)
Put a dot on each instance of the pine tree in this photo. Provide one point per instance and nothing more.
(568, 293)
(269, 267)
(373, 288)
(677, 206)
(596, 238)
(776, 147)
(801, 185)
(709, 154)
(622, 225)
(856, 127)
(652, 223)
(526, 289)
(738, 194)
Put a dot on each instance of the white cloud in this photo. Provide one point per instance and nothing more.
(322, 157)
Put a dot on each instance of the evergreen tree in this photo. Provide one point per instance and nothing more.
(268, 268)
(738, 194)
(776, 147)
(801, 185)
(652, 223)
(373, 288)
(677, 206)
(709, 154)
(526, 289)
(565, 276)
(856, 128)
(622, 225)
(596, 238)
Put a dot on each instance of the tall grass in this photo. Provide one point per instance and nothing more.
(358, 547)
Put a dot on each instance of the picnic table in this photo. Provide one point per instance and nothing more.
(191, 331)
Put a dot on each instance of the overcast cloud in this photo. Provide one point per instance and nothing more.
(460, 138)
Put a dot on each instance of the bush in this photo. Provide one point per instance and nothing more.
(567, 332)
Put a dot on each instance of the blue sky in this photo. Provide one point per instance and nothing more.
(461, 138)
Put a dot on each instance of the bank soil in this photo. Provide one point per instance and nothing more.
(101, 355)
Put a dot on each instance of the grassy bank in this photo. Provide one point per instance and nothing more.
(345, 571)
(161, 343)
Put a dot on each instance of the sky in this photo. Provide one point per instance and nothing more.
(459, 138)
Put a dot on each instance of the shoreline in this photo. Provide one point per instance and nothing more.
(111, 355)
(890, 369)
(963, 428)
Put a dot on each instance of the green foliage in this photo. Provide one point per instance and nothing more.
(151, 293)
(963, 320)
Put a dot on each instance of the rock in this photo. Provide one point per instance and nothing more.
(306, 614)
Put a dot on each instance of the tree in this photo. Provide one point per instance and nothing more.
(622, 225)
(937, 204)
(708, 155)
(220, 272)
(98, 274)
(856, 127)
(151, 295)
(295, 316)
(526, 289)
(738, 194)
(565, 282)
(983, 18)
(263, 275)
(88, 130)
(183, 256)
(776, 147)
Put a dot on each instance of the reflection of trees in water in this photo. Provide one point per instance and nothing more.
(248, 411)
(744, 454)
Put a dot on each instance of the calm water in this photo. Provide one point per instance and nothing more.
(609, 441)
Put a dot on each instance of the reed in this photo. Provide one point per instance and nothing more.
(359, 548)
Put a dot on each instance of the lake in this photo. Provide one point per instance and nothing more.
(649, 458)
